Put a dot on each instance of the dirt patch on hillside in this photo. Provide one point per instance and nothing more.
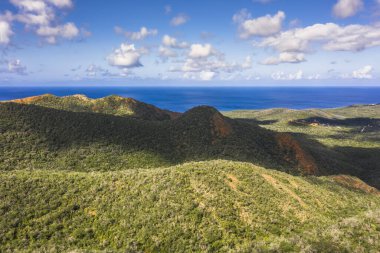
(29, 100)
(220, 127)
(232, 182)
(355, 183)
(283, 188)
(294, 152)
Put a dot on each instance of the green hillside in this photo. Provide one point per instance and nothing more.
(76, 176)
(350, 134)
(215, 206)
(114, 105)
(35, 137)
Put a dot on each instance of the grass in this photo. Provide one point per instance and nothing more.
(210, 206)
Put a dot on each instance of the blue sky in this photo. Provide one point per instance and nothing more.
(182, 42)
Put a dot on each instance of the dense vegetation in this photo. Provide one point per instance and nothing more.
(79, 175)
(114, 105)
(215, 206)
(43, 138)
(346, 140)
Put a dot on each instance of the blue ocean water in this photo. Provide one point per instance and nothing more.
(223, 98)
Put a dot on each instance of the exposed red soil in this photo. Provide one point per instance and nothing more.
(294, 152)
(220, 127)
(354, 183)
(29, 100)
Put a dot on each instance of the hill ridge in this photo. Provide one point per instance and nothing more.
(112, 104)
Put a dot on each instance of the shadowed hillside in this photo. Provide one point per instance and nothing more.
(38, 137)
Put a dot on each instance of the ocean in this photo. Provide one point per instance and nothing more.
(223, 98)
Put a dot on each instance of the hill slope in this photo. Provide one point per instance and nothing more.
(343, 140)
(76, 178)
(113, 105)
(38, 137)
(214, 206)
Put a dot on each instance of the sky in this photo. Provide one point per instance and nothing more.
(183, 42)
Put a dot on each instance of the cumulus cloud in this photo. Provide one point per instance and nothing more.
(180, 19)
(347, 8)
(363, 73)
(282, 76)
(170, 46)
(126, 56)
(201, 76)
(204, 63)
(329, 36)
(165, 52)
(207, 75)
(285, 57)
(139, 35)
(67, 31)
(93, 71)
(13, 67)
(263, 26)
(5, 32)
(201, 51)
(172, 42)
(61, 3)
(40, 16)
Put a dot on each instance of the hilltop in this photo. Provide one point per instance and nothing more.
(113, 105)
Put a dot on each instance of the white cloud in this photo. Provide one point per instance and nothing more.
(363, 73)
(13, 67)
(61, 3)
(30, 5)
(139, 35)
(180, 19)
(142, 34)
(241, 16)
(314, 77)
(281, 76)
(207, 75)
(331, 36)
(93, 71)
(262, 26)
(173, 42)
(126, 56)
(207, 68)
(5, 32)
(67, 31)
(285, 57)
(347, 8)
(40, 16)
(40, 5)
(201, 51)
(166, 52)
